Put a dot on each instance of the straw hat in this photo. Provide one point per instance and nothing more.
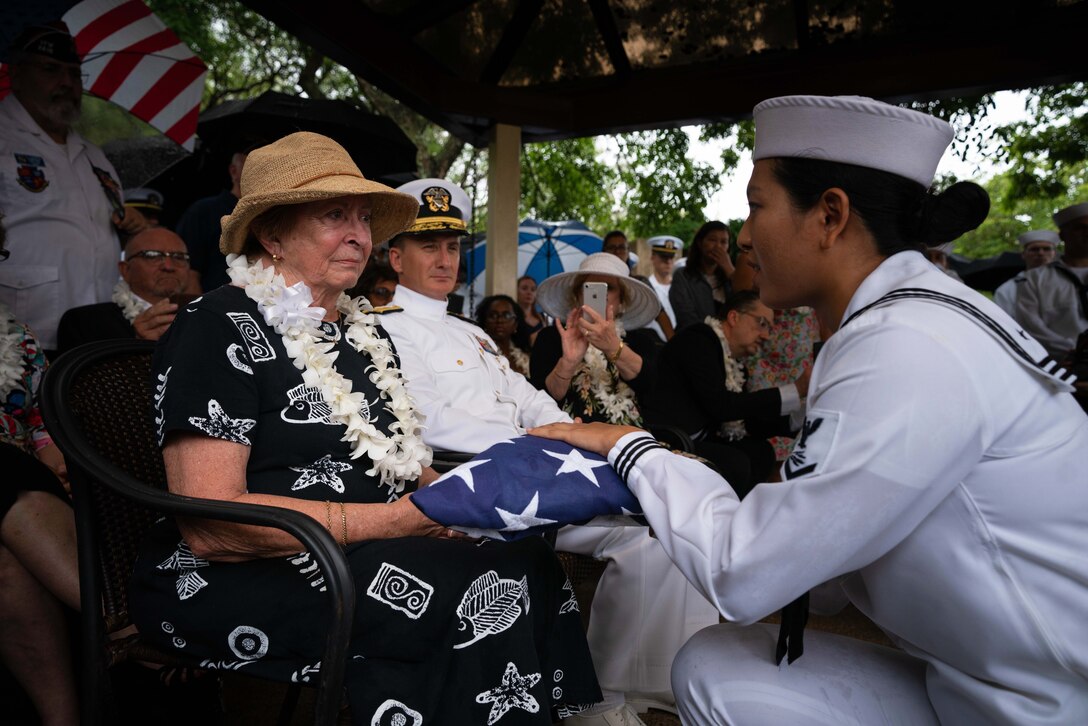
(553, 295)
(305, 167)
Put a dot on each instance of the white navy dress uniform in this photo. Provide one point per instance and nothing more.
(1005, 294)
(458, 378)
(1052, 302)
(944, 482)
(939, 481)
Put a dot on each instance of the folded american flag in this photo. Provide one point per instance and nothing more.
(526, 486)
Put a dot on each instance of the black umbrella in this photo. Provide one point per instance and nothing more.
(376, 144)
(140, 159)
(991, 272)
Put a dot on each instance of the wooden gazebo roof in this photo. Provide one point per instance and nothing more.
(563, 68)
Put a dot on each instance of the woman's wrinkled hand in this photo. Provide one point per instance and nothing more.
(596, 437)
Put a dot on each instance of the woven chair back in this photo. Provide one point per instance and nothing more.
(113, 401)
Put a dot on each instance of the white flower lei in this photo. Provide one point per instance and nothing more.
(734, 380)
(600, 386)
(11, 353)
(519, 360)
(288, 311)
(131, 305)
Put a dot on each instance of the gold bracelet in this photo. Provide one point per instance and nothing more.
(616, 356)
(344, 526)
(328, 517)
(555, 372)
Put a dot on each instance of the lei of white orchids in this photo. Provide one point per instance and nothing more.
(289, 311)
(131, 305)
(734, 380)
(11, 353)
(600, 386)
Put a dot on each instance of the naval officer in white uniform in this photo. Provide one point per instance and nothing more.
(939, 484)
(644, 609)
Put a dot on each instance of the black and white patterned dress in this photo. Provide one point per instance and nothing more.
(446, 632)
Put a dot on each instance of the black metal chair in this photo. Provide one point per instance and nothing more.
(97, 405)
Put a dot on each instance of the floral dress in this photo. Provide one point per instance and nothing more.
(782, 358)
(445, 631)
(22, 432)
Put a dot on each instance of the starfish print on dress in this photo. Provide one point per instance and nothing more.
(322, 471)
(221, 426)
(185, 563)
(575, 462)
(513, 691)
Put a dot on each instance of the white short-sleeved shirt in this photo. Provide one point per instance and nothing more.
(940, 477)
(460, 382)
(64, 249)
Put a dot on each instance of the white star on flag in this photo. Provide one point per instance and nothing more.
(575, 462)
(516, 522)
(464, 473)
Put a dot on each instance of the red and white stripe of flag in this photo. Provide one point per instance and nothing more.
(132, 59)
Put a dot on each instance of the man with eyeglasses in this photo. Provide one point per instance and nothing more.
(154, 272)
(704, 392)
(59, 192)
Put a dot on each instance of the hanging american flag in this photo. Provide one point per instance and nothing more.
(527, 486)
(132, 59)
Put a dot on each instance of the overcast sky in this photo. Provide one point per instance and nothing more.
(730, 203)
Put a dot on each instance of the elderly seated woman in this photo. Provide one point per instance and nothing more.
(281, 390)
(594, 365)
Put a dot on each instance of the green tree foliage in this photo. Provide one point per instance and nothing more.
(1046, 154)
(567, 180)
(247, 54)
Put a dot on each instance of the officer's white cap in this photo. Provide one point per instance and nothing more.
(1039, 235)
(665, 244)
(1067, 215)
(852, 130)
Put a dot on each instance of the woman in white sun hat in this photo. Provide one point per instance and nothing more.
(585, 362)
(939, 483)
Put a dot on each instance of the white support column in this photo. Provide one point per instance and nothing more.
(503, 194)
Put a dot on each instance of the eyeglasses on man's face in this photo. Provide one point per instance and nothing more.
(616, 247)
(160, 256)
(764, 324)
(500, 315)
(382, 292)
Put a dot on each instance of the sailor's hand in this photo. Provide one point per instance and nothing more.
(596, 437)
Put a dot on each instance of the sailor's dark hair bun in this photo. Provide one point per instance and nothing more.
(955, 211)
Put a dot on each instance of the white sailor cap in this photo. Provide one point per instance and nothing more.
(1067, 215)
(666, 245)
(852, 130)
(1039, 235)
